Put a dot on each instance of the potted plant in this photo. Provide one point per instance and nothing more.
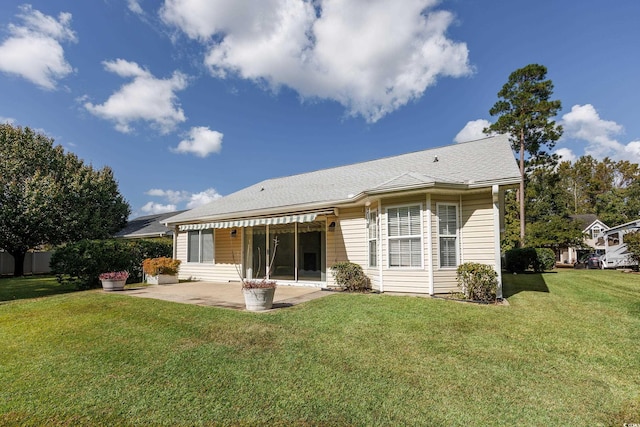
(161, 271)
(258, 293)
(114, 280)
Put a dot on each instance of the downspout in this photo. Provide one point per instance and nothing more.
(495, 192)
(430, 244)
(461, 239)
(175, 242)
(380, 269)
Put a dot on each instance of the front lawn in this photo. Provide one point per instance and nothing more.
(564, 352)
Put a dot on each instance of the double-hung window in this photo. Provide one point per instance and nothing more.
(448, 235)
(405, 236)
(200, 246)
(372, 237)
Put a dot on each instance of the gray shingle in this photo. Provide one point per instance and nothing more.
(472, 164)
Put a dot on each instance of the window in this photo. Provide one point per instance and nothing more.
(405, 236)
(448, 235)
(613, 239)
(595, 231)
(372, 237)
(200, 246)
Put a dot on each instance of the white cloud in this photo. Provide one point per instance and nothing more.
(156, 208)
(146, 98)
(176, 197)
(134, 6)
(201, 141)
(472, 130)
(566, 155)
(172, 196)
(583, 122)
(370, 56)
(202, 198)
(33, 50)
(7, 120)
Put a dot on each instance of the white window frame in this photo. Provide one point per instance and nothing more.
(420, 236)
(595, 231)
(200, 246)
(456, 235)
(375, 238)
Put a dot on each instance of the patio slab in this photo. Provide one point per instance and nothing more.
(227, 295)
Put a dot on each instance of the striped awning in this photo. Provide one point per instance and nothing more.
(252, 222)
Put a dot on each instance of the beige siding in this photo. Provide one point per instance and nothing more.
(477, 229)
(222, 269)
(348, 241)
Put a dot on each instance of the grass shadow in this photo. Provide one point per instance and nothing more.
(27, 287)
(513, 284)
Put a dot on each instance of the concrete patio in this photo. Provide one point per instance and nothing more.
(227, 295)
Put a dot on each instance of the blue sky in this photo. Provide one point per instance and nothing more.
(188, 100)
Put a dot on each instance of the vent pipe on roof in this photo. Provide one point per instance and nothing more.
(435, 159)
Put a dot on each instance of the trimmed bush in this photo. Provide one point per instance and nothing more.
(519, 260)
(478, 282)
(351, 277)
(546, 259)
(82, 262)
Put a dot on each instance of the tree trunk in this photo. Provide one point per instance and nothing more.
(522, 219)
(18, 262)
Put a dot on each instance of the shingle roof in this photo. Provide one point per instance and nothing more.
(468, 165)
(147, 226)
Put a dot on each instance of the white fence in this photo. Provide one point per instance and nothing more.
(34, 263)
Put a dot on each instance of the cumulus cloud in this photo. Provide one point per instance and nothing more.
(157, 208)
(176, 197)
(583, 122)
(566, 155)
(200, 141)
(472, 130)
(145, 98)
(371, 56)
(34, 51)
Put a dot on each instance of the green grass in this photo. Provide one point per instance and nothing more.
(31, 287)
(564, 352)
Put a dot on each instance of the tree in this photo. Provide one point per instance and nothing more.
(525, 113)
(48, 196)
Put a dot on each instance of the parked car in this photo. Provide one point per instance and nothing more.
(593, 261)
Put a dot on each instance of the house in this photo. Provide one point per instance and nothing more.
(408, 220)
(592, 228)
(147, 227)
(616, 254)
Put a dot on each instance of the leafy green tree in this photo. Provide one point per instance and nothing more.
(555, 233)
(48, 196)
(525, 113)
(632, 240)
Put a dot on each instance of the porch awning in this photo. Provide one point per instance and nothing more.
(252, 222)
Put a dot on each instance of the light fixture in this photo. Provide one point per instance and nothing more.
(332, 226)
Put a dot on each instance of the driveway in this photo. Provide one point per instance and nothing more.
(228, 295)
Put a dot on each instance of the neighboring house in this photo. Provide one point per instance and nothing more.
(146, 227)
(408, 220)
(616, 254)
(592, 228)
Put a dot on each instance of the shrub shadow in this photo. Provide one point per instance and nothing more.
(513, 284)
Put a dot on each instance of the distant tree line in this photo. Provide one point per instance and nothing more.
(555, 191)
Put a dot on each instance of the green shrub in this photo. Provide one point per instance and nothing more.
(350, 277)
(478, 282)
(546, 259)
(82, 262)
(521, 259)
